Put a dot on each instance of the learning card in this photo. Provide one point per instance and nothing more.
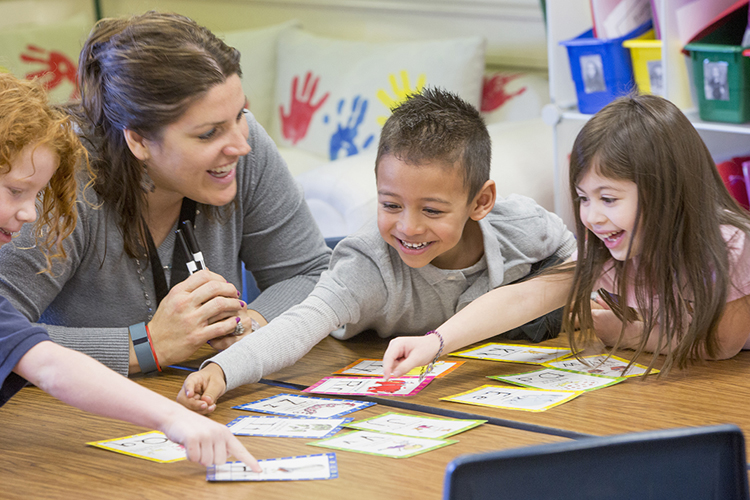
(374, 368)
(301, 468)
(513, 398)
(318, 428)
(560, 380)
(411, 425)
(152, 446)
(368, 386)
(515, 353)
(378, 443)
(304, 406)
(601, 364)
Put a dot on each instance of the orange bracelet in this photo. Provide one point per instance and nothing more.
(153, 351)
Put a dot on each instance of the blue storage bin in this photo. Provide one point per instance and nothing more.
(601, 69)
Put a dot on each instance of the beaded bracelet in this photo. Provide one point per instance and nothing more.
(427, 369)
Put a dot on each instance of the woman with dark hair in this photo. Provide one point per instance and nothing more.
(164, 115)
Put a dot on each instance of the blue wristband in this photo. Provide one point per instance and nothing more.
(142, 348)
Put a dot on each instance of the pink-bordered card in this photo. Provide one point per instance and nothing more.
(368, 386)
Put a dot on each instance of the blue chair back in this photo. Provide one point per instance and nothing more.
(693, 463)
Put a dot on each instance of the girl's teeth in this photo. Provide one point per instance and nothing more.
(6, 232)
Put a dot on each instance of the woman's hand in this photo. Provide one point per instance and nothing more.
(246, 316)
(406, 353)
(185, 319)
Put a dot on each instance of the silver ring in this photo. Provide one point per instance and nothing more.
(239, 329)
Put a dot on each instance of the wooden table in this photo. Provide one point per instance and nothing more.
(44, 456)
(704, 394)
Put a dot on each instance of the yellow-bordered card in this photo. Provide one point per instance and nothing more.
(366, 367)
(515, 353)
(152, 446)
(513, 398)
(601, 364)
(559, 380)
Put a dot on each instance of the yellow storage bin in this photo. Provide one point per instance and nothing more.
(647, 68)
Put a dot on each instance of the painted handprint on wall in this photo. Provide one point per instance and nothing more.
(57, 68)
(494, 94)
(294, 124)
(400, 92)
(348, 128)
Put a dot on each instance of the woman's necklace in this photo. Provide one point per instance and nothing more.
(149, 305)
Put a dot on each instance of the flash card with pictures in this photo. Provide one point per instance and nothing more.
(560, 380)
(304, 406)
(152, 446)
(601, 364)
(368, 386)
(378, 443)
(513, 398)
(414, 425)
(374, 368)
(301, 468)
(515, 353)
(293, 427)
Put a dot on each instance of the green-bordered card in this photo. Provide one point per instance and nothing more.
(413, 425)
(382, 444)
(559, 380)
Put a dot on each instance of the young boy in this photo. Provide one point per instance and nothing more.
(441, 240)
(38, 155)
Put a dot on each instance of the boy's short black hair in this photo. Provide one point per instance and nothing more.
(437, 125)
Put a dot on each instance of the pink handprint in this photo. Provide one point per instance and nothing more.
(295, 124)
(59, 68)
(493, 91)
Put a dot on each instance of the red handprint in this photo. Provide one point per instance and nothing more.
(59, 68)
(493, 91)
(295, 124)
(386, 386)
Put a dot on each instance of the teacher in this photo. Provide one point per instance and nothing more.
(170, 140)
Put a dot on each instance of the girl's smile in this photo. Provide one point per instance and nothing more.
(608, 208)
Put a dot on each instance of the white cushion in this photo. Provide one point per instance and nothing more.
(345, 89)
(258, 49)
(342, 194)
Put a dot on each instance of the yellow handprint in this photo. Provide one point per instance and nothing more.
(400, 93)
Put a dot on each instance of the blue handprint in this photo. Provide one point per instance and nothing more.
(346, 133)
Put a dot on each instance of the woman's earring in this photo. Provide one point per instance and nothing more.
(147, 184)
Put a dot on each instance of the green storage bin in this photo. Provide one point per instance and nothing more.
(721, 73)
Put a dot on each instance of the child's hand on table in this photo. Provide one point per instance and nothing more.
(201, 389)
(406, 353)
(205, 441)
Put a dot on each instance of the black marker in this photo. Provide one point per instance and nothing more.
(193, 244)
(191, 265)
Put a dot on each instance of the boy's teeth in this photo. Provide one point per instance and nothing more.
(6, 232)
(413, 246)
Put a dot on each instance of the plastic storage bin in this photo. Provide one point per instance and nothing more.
(601, 69)
(648, 71)
(721, 74)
